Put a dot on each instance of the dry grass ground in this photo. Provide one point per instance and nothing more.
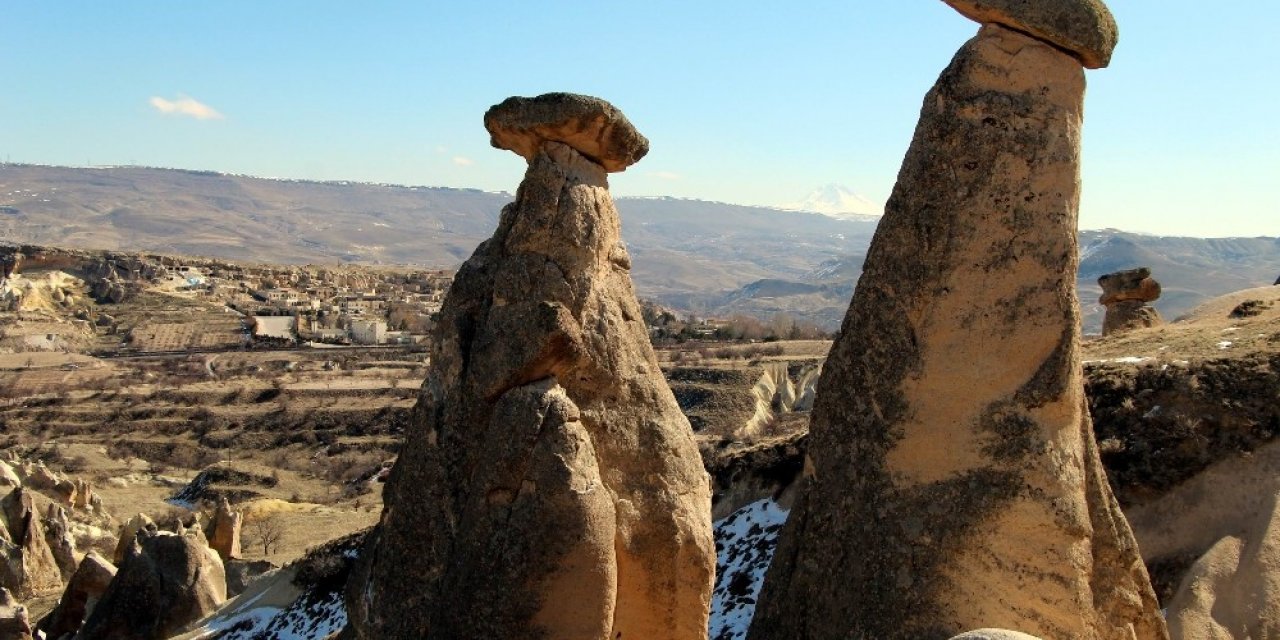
(1208, 331)
(320, 423)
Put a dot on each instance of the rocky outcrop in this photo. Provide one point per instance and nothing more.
(952, 479)
(590, 126)
(84, 495)
(242, 573)
(14, 621)
(744, 475)
(86, 586)
(128, 532)
(39, 477)
(27, 566)
(1083, 28)
(1213, 545)
(550, 486)
(8, 477)
(57, 533)
(9, 264)
(64, 491)
(779, 391)
(1228, 594)
(1126, 294)
(223, 531)
(166, 581)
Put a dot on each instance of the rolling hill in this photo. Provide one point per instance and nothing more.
(707, 257)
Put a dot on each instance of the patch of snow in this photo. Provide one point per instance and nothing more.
(1225, 344)
(185, 504)
(244, 625)
(1120, 360)
(745, 542)
(305, 619)
(1230, 329)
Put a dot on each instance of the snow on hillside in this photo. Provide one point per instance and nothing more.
(745, 541)
(287, 606)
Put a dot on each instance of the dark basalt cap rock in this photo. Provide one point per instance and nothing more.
(1085, 28)
(593, 127)
(1132, 284)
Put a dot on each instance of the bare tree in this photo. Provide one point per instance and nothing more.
(267, 531)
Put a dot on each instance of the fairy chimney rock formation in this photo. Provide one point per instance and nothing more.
(128, 533)
(166, 581)
(57, 533)
(27, 565)
(224, 531)
(84, 495)
(550, 485)
(952, 479)
(1126, 294)
(86, 586)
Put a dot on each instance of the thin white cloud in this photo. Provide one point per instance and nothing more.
(463, 162)
(665, 175)
(185, 106)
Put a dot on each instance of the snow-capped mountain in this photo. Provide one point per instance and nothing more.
(838, 201)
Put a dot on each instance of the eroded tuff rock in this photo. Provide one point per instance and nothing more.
(166, 581)
(550, 486)
(9, 264)
(1228, 593)
(27, 565)
(14, 622)
(1085, 28)
(128, 531)
(86, 586)
(39, 477)
(952, 480)
(223, 531)
(57, 534)
(1213, 543)
(1126, 294)
(593, 127)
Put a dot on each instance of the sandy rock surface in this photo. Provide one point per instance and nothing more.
(86, 586)
(28, 567)
(165, 582)
(549, 467)
(953, 481)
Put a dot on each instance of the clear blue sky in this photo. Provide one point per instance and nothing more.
(747, 102)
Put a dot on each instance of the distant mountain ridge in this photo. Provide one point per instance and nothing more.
(1190, 270)
(707, 257)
